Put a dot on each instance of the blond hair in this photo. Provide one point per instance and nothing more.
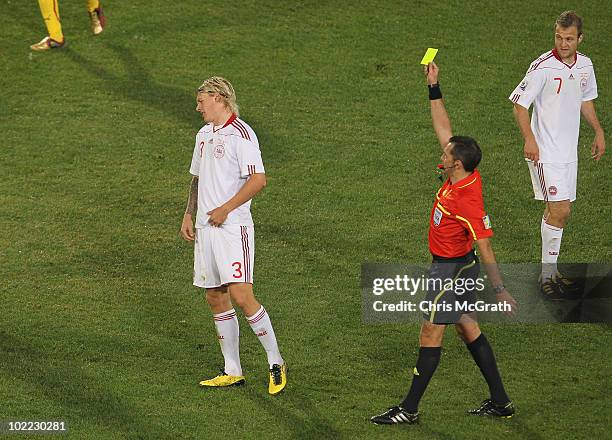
(224, 88)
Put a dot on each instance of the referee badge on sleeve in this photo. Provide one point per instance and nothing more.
(584, 78)
(437, 217)
(487, 222)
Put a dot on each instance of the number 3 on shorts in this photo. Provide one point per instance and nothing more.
(237, 269)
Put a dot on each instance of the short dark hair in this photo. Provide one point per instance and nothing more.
(466, 150)
(568, 19)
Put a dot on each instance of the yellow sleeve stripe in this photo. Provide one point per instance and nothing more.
(442, 209)
(469, 225)
(469, 183)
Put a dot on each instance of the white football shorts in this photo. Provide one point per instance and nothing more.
(553, 182)
(223, 255)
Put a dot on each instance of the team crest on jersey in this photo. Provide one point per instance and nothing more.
(219, 151)
(487, 222)
(437, 217)
(523, 85)
(552, 190)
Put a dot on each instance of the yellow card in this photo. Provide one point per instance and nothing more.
(429, 55)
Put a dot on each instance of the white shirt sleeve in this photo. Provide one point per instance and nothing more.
(590, 91)
(249, 159)
(195, 160)
(528, 90)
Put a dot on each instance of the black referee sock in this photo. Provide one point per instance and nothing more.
(483, 356)
(426, 365)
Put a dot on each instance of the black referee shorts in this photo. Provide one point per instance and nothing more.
(451, 288)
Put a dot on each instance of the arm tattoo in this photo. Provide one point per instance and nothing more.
(192, 200)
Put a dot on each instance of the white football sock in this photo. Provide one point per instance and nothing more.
(551, 244)
(228, 333)
(262, 326)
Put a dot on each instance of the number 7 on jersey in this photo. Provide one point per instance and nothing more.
(560, 82)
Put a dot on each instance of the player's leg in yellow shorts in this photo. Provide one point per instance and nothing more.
(50, 13)
(97, 20)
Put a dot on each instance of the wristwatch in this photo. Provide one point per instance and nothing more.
(499, 288)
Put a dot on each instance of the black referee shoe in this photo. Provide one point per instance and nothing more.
(395, 416)
(488, 408)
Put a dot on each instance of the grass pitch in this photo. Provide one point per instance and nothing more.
(100, 326)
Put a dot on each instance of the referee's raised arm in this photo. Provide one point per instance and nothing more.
(439, 117)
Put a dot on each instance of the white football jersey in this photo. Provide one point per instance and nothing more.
(223, 159)
(557, 91)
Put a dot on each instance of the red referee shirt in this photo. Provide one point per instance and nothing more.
(458, 218)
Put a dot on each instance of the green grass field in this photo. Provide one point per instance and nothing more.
(99, 324)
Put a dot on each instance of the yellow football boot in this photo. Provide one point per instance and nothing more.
(47, 44)
(223, 380)
(278, 378)
(97, 21)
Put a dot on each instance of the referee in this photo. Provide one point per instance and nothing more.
(458, 220)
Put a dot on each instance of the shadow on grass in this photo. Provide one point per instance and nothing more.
(66, 381)
(515, 428)
(285, 408)
(137, 85)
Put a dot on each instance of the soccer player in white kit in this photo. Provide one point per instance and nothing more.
(228, 172)
(561, 85)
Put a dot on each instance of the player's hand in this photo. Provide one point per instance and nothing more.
(187, 228)
(531, 150)
(431, 73)
(217, 216)
(505, 297)
(599, 146)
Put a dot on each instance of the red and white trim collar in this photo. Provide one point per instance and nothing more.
(231, 119)
(556, 54)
